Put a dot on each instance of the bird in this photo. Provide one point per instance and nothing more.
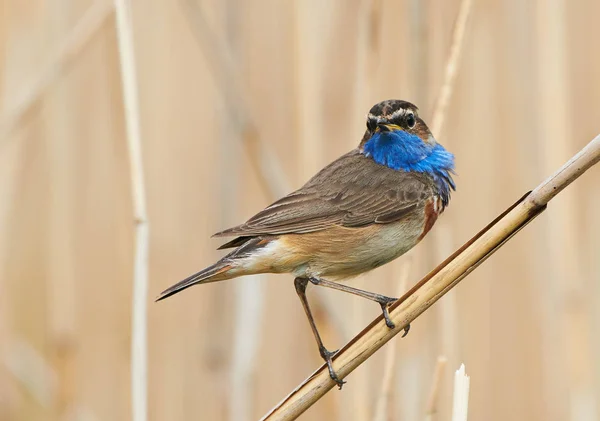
(361, 211)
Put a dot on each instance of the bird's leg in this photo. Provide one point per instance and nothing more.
(300, 284)
(383, 301)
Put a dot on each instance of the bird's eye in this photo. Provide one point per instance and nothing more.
(410, 120)
(371, 124)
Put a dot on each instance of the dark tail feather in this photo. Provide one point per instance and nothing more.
(236, 242)
(210, 274)
(219, 271)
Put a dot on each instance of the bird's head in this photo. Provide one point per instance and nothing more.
(397, 116)
(399, 139)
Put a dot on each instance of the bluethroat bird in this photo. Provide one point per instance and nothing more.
(363, 210)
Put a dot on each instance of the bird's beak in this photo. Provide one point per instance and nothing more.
(384, 127)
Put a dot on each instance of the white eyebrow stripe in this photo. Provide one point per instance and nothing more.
(401, 111)
(395, 114)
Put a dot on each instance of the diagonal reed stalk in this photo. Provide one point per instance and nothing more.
(226, 72)
(64, 56)
(433, 286)
(452, 65)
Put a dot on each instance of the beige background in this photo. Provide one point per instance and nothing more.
(244, 100)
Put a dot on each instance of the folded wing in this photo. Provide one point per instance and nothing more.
(352, 191)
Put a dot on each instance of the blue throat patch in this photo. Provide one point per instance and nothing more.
(403, 151)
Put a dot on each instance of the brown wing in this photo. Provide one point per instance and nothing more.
(352, 191)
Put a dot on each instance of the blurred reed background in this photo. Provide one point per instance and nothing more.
(241, 101)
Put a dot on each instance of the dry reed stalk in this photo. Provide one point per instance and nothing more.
(456, 48)
(308, 50)
(82, 33)
(226, 72)
(419, 59)
(62, 296)
(139, 352)
(385, 395)
(247, 333)
(439, 281)
(460, 406)
(435, 387)
(31, 369)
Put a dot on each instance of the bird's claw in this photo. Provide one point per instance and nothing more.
(386, 315)
(334, 376)
(326, 355)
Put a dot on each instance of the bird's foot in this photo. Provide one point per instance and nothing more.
(326, 355)
(384, 303)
